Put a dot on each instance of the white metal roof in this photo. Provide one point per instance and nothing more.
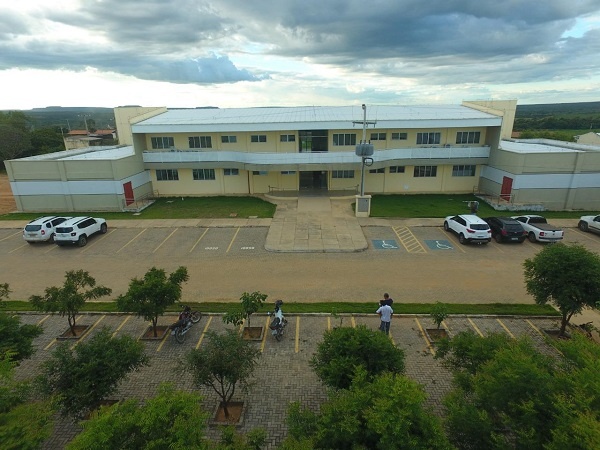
(314, 117)
(544, 146)
(97, 153)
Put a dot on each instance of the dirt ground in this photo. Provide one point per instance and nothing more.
(7, 201)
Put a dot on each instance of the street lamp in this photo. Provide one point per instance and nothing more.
(365, 151)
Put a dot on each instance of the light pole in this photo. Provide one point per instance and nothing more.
(365, 151)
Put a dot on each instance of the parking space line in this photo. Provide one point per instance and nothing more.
(232, 240)
(535, 328)
(89, 330)
(475, 327)
(497, 246)
(165, 240)
(506, 328)
(408, 240)
(136, 236)
(455, 246)
(204, 332)
(198, 241)
(262, 344)
(585, 235)
(53, 247)
(121, 326)
(97, 240)
(328, 323)
(55, 340)
(424, 335)
(11, 235)
(353, 322)
(297, 333)
(163, 340)
(15, 249)
(43, 320)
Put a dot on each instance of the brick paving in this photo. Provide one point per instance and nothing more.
(283, 374)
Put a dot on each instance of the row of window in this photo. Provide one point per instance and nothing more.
(419, 172)
(433, 138)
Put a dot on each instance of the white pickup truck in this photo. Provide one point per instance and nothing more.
(538, 229)
(589, 223)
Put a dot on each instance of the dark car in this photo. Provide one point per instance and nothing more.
(506, 229)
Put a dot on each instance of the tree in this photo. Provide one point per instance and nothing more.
(4, 291)
(71, 297)
(172, 419)
(151, 296)
(386, 412)
(17, 338)
(225, 362)
(439, 313)
(250, 303)
(567, 276)
(81, 378)
(46, 140)
(345, 349)
(13, 142)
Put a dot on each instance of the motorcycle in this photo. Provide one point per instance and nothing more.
(279, 321)
(186, 319)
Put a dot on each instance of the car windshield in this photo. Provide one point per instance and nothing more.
(513, 227)
(64, 229)
(478, 226)
(33, 227)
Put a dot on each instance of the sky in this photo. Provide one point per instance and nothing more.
(241, 53)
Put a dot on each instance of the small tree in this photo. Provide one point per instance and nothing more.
(81, 378)
(250, 303)
(17, 338)
(69, 298)
(4, 291)
(225, 362)
(567, 276)
(151, 296)
(439, 313)
(345, 349)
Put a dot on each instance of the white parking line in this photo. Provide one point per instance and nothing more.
(138, 235)
(198, 241)
(8, 237)
(166, 239)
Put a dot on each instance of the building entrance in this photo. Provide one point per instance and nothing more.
(313, 180)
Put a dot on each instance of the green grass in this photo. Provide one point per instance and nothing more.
(500, 309)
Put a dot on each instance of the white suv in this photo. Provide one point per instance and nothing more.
(42, 229)
(78, 229)
(469, 228)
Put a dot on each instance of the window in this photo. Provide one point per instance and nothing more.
(428, 138)
(468, 137)
(378, 137)
(167, 175)
(258, 138)
(231, 172)
(396, 169)
(288, 172)
(399, 136)
(344, 139)
(287, 138)
(228, 139)
(162, 142)
(200, 142)
(382, 170)
(425, 171)
(203, 174)
(260, 172)
(463, 171)
(342, 174)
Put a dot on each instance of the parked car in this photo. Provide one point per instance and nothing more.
(506, 229)
(77, 230)
(538, 229)
(589, 223)
(42, 229)
(469, 228)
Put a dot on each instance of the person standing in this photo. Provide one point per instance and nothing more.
(385, 314)
(387, 300)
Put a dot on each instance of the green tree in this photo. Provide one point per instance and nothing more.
(81, 378)
(17, 338)
(225, 362)
(439, 313)
(13, 142)
(250, 304)
(386, 412)
(152, 295)
(46, 140)
(345, 349)
(567, 276)
(4, 291)
(70, 298)
(172, 419)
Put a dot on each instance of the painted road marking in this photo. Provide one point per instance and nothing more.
(89, 330)
(211, 248)
(136, 236)
(296, 348)
(506, 328)
(165, 240)
(429, 346)
(389, 244)
(409, 240)
(246, 248)
(475, 327)
(204, 332)
(11, 235)
(198, 241)
(87, 247)
(232, 240)
(121, 326)
(439, 244)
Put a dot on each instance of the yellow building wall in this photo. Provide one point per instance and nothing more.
(125, 116)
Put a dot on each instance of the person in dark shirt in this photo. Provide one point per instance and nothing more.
(387, 300)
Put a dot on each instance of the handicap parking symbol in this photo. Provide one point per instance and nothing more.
(388, 244)
(439, 245)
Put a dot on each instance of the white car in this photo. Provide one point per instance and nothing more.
(42, 229)
(469, 228)
(77, 230)
(589, 223)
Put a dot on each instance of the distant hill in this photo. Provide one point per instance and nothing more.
(71, 117)
(558, 109)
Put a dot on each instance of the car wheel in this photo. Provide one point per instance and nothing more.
(531, 237)
(583, 226)
(82, 241)
(103, 228)
(498, 238)
(461, 239)
(51, 239)
(446, 227)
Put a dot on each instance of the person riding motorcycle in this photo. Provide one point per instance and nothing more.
(184, 318)
(279, 321)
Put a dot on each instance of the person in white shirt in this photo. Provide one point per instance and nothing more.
(385, 314)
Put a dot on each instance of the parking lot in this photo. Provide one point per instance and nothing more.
(416, 264)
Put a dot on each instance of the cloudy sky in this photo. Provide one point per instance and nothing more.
(237, 53)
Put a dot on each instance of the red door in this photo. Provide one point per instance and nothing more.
(128, 190)
(506, 188)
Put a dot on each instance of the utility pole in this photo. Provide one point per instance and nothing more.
(365, 151)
